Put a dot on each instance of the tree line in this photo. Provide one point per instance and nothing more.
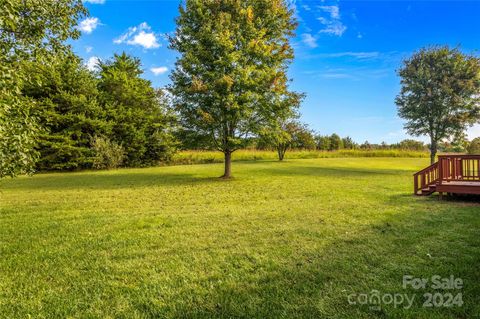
(229, 89)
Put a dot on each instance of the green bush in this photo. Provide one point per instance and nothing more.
(108, 154)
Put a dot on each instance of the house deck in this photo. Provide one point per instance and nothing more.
(457, 174)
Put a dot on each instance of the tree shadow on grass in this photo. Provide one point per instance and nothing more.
(329, 171)
(138, 178)
(102, 181)
(316, 283)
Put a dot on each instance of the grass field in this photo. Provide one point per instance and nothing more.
(203, 157)
(281, 240)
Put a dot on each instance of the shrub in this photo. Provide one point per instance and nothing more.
(108, 154)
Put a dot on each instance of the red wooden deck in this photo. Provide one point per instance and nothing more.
(458, 174)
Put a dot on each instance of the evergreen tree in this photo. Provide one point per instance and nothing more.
(66, 107)
(141, 121)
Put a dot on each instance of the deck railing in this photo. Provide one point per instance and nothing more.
(425, 177)
(449, 168)
(464, 168)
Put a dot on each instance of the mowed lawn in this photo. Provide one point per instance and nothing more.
(281, 240)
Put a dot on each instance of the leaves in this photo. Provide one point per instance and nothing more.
(29, 30)
(230, 79)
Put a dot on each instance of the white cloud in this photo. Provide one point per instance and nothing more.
(159, 70)
(358, 55)
(147, 40)
(88, 49)
(94, 1)
(331, 20)
(309, 40)
(139, 35)
(336, 76)
(89, 24)
(92, 63)
(336, 28)
(334, 11)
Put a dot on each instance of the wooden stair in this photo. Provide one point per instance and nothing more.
(426, 180)
(429, 190)
(452, 174)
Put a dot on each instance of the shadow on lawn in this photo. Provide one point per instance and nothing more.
(329, 171)
(134, 179)
(316, 283)
(103, 180)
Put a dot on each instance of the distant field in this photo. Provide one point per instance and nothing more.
(280, 240)
(203, 157)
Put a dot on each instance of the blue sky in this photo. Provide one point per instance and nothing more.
(346, 52)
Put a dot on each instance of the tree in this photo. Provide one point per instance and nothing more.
(459, 143)
(292, 134)
(302, 138)
(474, 146)
(280, 138)
(440, 94)
(366, 146)
(28, 29)
(411, 145)
(141, 120)
(336, 142)
(65, 93)
(348, 143)
(230, 80)
(323, 142)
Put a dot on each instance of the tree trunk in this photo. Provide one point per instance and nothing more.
(280, 153)
(433, 150)
(228, 165)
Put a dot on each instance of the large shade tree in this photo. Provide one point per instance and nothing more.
(230, 79)
(29, 29)
(440, 94)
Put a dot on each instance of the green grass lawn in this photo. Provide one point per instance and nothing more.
(281, 240)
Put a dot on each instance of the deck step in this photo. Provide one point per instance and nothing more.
(430, 189)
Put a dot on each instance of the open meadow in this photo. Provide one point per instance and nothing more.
(281, 240)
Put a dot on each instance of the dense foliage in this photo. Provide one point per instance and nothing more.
(230, 80)
(74, 105)
(29, 30)
(141, 121)
(69, 114)
(54, 112)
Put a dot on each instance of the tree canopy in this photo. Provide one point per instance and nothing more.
(29, 30)
(440, 94)
(230, 79)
